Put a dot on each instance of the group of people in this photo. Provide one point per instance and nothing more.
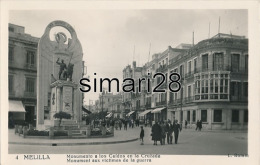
(126, 122)
(164, 130)
(198, 125)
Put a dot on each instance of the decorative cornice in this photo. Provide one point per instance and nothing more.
(61, 83)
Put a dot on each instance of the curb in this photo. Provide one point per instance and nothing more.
(74, 144)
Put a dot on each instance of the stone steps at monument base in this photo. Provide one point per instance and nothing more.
(70, 127)
(69, 122)
(76, 134)
(75, 131)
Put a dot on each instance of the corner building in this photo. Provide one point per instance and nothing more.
(22, 75)
(214, 84)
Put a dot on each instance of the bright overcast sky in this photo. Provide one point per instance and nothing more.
(108, 36)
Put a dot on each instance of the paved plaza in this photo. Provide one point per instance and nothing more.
(191, 142)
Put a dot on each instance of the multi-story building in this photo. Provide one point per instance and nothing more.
(132, 100)
(213, 78)
(116, 106)
(22, 74)
(214, 83)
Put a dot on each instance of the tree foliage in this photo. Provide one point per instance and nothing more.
(62, 115)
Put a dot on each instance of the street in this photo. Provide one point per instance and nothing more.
(190, 142)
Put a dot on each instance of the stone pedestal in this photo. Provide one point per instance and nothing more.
(62, 99)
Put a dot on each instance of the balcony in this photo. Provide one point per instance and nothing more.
(161, 103)
(30, 94)
(148, 105)
(227, 68)
(162, 68)
(30, 66)
(239, 98)
(188, 99)
(11, 93)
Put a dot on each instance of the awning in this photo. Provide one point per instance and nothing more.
(145, 112)
(130, 113)
(109, 115)
(86, 110)
(158, 110)
(16, 106)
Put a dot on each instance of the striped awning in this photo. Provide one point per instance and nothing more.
(130, 113)
(16, 106)
(158, 110)
(145, 112)
(109, 115)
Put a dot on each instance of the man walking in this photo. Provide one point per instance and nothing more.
(168, 129)
(176, 129)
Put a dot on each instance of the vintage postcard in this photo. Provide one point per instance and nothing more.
(124, 82)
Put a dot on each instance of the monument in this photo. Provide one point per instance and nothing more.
(59, 72)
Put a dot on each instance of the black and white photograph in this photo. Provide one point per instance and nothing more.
(130, 84)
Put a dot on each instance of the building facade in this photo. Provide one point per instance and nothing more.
(214, 78)
(22, 74)
(214, 84)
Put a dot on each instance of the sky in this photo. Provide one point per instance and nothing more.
(112, 39)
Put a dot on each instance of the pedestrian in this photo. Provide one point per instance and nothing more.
(116, 124)
(176, 129)
(156, 133)
(125, 125)
(197, 124)
(132, 123)
(186, 123)
(120, 124)
(163, 133)
(142, 135)
(168, 130)
(200, 125)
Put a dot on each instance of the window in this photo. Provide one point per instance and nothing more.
(246, 63)
(189, 67)
(235, 115)
(195, 65)
(11, 29)
(189, 91)
(181, 71)
(218, 61)
(245, 89)
(188, 115)
(204, 115)
(193, 116)
(235, 88)
(30, 85)
(235, 62)
(11, 54)
(30, 58)
(205, 62)
(217, 116)
(11, 83)
(245, 116)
